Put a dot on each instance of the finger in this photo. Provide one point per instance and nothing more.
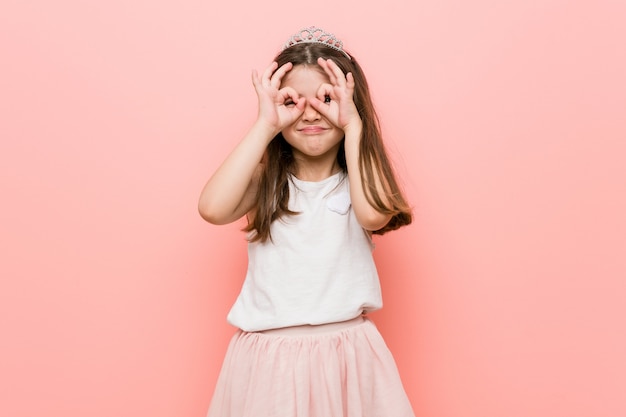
(288, 93)
(350, 81)
(326, 90)
(279, 74)
(333, 71)
(255, 78)
(267, 74)
(299, 107)
(324, 64)
(339, 75)
(257, 82)
(321, 107)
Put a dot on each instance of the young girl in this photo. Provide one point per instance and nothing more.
(313, 178)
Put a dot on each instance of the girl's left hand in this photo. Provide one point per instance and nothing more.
(340, 110)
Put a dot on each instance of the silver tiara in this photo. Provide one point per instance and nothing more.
(316, 35)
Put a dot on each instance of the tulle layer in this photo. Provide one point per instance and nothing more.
(340, 373)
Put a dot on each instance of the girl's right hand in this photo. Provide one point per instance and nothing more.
(278, 107)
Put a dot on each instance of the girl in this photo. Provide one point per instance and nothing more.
(315, 183)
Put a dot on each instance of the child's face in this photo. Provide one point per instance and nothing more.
(311, 135)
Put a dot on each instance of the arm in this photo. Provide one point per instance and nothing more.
(231, 192)
(368, 216)
(342, 112)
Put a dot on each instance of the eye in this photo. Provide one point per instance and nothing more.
(289, 102)
(326, 99)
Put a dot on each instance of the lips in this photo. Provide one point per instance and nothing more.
(312, 130)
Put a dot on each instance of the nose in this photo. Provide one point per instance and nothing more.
(310, 114)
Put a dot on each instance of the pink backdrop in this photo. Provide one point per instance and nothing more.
(506, 119)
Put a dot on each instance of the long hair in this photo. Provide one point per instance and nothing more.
(278, 161)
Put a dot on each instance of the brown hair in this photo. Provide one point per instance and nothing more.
(278, 162)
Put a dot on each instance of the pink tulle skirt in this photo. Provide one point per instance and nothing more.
(338, 370)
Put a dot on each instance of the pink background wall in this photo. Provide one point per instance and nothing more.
(506, 119)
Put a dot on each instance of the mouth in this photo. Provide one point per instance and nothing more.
(312, 130)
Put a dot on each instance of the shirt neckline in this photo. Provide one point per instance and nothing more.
(316, 184)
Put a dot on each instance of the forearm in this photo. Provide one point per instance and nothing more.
(229, 193)
(368, 216)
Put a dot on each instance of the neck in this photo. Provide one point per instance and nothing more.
(310, 171)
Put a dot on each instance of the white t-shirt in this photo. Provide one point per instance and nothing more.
(316, 269)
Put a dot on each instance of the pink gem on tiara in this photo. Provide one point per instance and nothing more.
(316, 35)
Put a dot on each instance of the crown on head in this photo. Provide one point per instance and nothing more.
(314, 34)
